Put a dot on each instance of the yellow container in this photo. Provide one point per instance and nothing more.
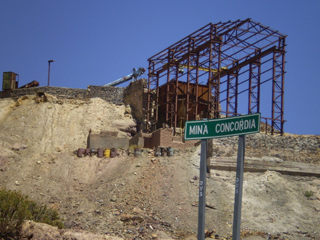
(107, 153)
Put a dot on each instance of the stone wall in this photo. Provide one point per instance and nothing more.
(290, 147)
(109, 94)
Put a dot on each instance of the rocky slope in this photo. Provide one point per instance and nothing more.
(146, 197)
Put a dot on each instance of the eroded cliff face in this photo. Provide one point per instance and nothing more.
(47, 124)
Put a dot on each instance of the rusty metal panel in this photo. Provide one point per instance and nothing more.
(203, 92)
(9, 81)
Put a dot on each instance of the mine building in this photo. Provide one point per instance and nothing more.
(221, 70)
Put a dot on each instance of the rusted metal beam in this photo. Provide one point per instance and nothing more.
(184, 57)
(248, 61)
(254, 88)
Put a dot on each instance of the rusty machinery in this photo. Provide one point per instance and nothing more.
(10, 81)
(208, 73)
(134, 75)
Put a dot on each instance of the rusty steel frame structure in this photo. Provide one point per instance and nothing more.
(231, 58)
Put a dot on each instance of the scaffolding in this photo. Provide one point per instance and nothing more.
(224, 69)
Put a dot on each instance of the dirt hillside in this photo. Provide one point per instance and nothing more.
(144, 197)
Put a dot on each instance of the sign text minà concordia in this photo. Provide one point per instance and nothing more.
(222, 127)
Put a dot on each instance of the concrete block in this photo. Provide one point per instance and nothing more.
(137, 140)
(103, 141)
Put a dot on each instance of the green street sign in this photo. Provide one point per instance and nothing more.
(222, 127)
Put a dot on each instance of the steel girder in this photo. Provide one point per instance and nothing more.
(231, 58)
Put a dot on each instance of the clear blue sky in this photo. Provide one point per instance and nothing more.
(95, 42)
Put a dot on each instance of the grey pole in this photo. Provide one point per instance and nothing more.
(202, 190)
(238, 189)
(50, 61)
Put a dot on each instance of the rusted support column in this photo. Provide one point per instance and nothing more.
(149, 93)
(156, 110)
(216, 83)
(187, 101)
(282, 46)
(153, 79)
(236, 94)
(168, 87)
(273, 93)
(229, 97)
(278, 92)
(258, 86)
(210, 73)
(254, 87)
(176, 92)
(197, 89)
(188, 82)
(232, 93)
(250, 88)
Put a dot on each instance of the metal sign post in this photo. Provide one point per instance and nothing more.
(202, 190)
(238, 189)
(218, 128)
